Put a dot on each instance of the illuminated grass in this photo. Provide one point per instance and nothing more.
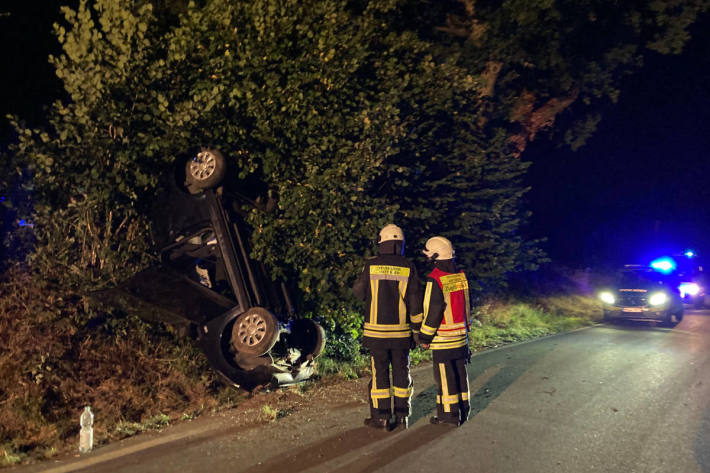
(495, 323)
(499, 322)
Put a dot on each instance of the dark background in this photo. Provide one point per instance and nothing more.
(638, 189)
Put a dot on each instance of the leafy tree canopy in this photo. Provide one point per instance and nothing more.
(544, 59)
(354, 114)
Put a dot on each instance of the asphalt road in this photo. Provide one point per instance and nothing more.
(611, 398)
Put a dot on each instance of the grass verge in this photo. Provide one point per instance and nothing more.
(495, 322)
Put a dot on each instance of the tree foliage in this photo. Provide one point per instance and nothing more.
(353, 114)
(551, 59)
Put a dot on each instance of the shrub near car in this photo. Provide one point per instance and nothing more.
(642, 294)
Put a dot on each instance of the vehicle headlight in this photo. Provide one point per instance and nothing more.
(658, 298)
(607, 297)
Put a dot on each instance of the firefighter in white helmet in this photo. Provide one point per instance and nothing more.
(444, 329)
(391, 290)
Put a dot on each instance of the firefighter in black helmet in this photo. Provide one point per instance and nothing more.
(445, 330)
(390, 288)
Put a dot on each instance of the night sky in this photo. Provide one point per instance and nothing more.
(640, 187)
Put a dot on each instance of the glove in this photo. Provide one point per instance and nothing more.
(415, 340)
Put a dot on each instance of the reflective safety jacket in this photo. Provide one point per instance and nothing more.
(447, 312)
(391, 290)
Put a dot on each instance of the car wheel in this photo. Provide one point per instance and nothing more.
(669, 321)
(206, 169)
(255, 332)
(606, 317)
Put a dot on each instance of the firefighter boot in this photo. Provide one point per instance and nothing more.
(400, 423)
(437, 421)
(382, 424)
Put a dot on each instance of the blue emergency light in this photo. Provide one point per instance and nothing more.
(664, 265)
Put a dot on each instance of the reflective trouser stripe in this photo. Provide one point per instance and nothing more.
(377, 393)
(452, 389)
(403, 392)
(446, 399)
(382, 393)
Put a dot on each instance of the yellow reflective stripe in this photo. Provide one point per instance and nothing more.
(402, 305)
(438, 399)
(389, 270)
(426, 330)
(444, 388)
(403, 392)
(373, 334)
(380, 394)
(451, 399)
(453, 282)
(427, 298)
(447, 344)
(374, 389)
(464, 396)
(441, 338)
(375, 392)
(451, 333)
(448, 314)
(386, 327)
(389, 273)
(467, 308)
(417, 319)
(374, 286)
(387, 330)
(453, 327)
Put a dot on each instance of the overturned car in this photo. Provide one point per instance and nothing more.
(208, 287)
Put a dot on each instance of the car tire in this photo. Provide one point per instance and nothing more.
(672, 319)
(668, 320)
(606, 317)
(255, 332)
(206, 169)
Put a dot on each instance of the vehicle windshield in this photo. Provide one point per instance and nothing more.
(639, 278)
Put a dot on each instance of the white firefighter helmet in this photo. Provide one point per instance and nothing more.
(391, 232)
(438, 248)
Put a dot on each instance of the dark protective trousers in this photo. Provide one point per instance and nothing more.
(381, 391)
(452, 404)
